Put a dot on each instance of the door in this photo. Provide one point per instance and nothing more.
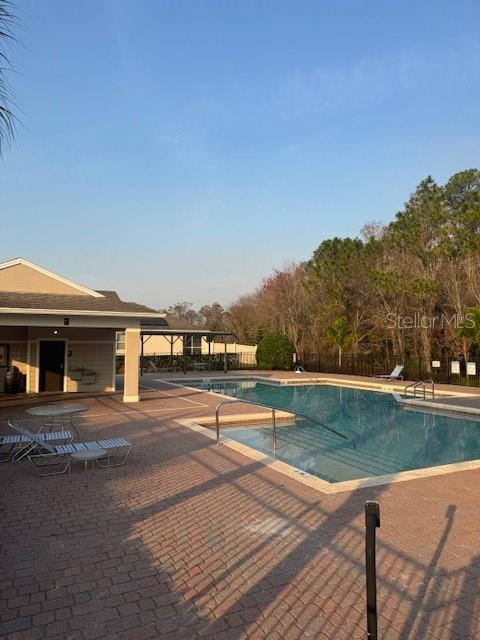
(52, 362)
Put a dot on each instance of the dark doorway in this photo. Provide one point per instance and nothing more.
(52, 362)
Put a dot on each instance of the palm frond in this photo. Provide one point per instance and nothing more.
(7, 117)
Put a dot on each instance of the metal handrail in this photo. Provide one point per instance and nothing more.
(420, 383)
(412, 385)
(431, 382)
(273, 409)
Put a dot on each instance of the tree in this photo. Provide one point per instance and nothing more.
(212, 316)
(283, 303)
(354, 293)
(243, 319)
(340, 287)
(469, 330)
(419, 233)
(7, 119)
(275, 351)
(339, 335)
(462, 190)
(182, 315)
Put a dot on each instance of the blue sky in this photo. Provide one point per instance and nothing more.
(179, 150)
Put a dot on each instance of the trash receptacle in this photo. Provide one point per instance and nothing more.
(12, 380)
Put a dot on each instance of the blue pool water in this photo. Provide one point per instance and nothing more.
(380, 435)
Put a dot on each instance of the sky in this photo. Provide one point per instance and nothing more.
(181, 150)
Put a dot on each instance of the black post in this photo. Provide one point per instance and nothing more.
(184, 356)
(141, 356)
(372, 521)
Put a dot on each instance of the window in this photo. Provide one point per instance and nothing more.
(192, 345)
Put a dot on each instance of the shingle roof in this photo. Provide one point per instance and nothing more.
(60, 302)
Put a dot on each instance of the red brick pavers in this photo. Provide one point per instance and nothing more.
(190, 540)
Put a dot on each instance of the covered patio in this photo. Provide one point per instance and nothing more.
(57, 336)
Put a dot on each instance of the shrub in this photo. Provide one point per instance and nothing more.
(275, 351)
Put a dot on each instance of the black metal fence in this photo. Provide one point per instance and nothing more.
(158, 362)
(440, 370)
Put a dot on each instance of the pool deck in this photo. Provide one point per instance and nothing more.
(193, 541)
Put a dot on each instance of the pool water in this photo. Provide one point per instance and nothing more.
(380, 436)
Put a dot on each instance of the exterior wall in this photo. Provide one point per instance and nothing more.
(8, 334)
(131, 376)
(160, 345)
(218, 347)
(32, 376)
(22, 278)
(96, 356)
(92, 349)
(70, 333)
(86, 320)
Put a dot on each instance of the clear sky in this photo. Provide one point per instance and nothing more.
(178, 150)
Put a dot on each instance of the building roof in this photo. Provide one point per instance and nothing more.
(26, 287)
(109, 302)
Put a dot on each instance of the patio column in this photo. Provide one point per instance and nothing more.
(132, 363)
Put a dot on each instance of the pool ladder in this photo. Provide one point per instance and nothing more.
(421, 385)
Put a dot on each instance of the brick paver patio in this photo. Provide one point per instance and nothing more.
(190, 540)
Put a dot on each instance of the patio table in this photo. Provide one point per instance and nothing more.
(57, 415)
(89, 455)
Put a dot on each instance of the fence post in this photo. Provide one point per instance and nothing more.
(274, 425)
(372, 521)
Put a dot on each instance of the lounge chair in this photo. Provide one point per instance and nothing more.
(395, 375)
(25, 445)
(59, 455)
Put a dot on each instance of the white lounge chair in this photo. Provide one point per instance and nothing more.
(395, 375)
(16, 447)
(59, 455)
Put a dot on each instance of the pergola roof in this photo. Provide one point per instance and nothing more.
(152, 330)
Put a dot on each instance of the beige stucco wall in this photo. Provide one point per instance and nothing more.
(96, 356)
(32, 377)
(131, 374)
(85, 320)
(160, 345)
(92, 349)
(219, 347)
(70, 333)
(23, 278)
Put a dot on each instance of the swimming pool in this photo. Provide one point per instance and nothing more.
(381, 436)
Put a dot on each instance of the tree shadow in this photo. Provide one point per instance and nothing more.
(189, 540)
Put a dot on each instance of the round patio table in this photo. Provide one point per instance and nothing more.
(58, 414)
(86, 456)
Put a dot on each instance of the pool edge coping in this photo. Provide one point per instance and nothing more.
(329, 488)
(369, 384)
(305, 478)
